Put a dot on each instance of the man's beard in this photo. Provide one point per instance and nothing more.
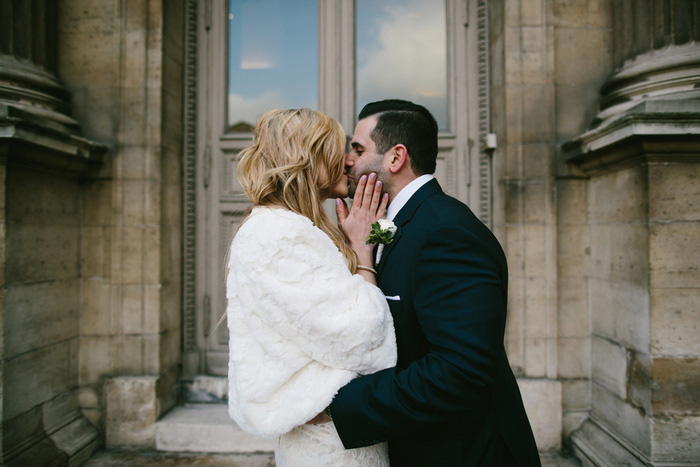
(354, 177)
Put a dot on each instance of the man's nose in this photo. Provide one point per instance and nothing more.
(348, 160)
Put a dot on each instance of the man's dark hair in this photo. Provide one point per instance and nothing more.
(403, 122)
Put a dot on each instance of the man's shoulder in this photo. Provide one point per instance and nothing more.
(442, 212)
(445, 209)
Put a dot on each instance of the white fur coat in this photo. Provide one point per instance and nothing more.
(301, 325)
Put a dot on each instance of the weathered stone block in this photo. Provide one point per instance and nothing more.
(41, 198)
(675, 321)
(87, 58)
(535, 357)
(619, 197)
(573, 249)
(571, 421)
(609, 368)
(131, 411)
(57, 412)
(152, 309)
(97, 210)
(676, 385)
(151, 354)
(85, 16)
(169, 345)
(539, 320)
(39, 252)
(35, 377)
(620, 312)
(532, 12)
(574, 357)
(132, 164)
(592, 50)
(90, 397)
(152, 257)
(672, 264)
(622, 418)
(537, 243)
(674, 192)
(581, 13)
(676, 439)
(134, 202)
(537, 106)
(96, 359)
(574, 316)
(133, 131)
(152, 203)
(39, 314)
(639, 380)
(132, 309)
(575, 107)
(132, 246)
(514, 112)
(95, 307)
(619, 253)
(576, 394)
(534, 54)
(99, 119)
(95, 251)
(539, 396)
(129, 352)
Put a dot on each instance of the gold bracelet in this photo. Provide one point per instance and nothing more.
(365, 268)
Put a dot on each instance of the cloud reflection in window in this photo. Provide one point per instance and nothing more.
(402, 53)
(273, 58)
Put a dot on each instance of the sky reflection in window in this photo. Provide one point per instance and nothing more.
(273, 58)
(402, 53)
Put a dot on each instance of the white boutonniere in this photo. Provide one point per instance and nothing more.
(382, 232)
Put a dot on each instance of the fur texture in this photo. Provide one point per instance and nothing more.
(301, 325)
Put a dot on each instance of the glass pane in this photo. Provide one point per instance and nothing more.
(402, 53)
(273, 58)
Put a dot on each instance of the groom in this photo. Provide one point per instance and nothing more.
(452, 398)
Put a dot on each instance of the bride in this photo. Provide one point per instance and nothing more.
(304, 313)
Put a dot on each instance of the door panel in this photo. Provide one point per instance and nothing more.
(222, 132)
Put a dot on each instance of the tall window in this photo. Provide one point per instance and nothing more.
(273, 58)
(402, 53)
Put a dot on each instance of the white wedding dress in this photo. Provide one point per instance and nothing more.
(301, 327)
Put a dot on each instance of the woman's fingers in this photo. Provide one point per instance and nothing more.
(376, 197)
(359, 192)
(369, 190)
(341, 210)
(382, 206)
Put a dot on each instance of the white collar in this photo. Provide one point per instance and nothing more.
(405, 194)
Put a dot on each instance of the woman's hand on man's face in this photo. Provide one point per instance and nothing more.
(368, 206)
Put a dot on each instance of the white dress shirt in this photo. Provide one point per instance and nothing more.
(400, 201)
(405, 194)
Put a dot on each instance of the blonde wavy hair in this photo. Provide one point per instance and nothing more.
(296, 159)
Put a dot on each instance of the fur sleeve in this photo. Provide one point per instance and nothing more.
(302, 324)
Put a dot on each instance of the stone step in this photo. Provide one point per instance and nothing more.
(206, 428)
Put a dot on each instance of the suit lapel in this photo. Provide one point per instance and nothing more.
(405, 215)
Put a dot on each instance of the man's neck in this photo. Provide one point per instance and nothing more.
(404, 194)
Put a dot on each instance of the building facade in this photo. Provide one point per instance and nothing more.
(570, 127)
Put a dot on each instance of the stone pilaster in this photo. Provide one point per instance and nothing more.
(643, 160)
(42, 157)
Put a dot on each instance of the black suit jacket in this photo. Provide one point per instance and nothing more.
(452, 398)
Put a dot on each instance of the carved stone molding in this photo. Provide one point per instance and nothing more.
(484, 81)
(189, 323)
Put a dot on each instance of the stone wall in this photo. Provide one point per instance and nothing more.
(549, 60)
(42, 158)
(121, 60)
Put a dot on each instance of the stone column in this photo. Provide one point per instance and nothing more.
(42, 157)
(642, 157)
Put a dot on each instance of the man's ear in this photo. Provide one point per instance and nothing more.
(399, 158)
